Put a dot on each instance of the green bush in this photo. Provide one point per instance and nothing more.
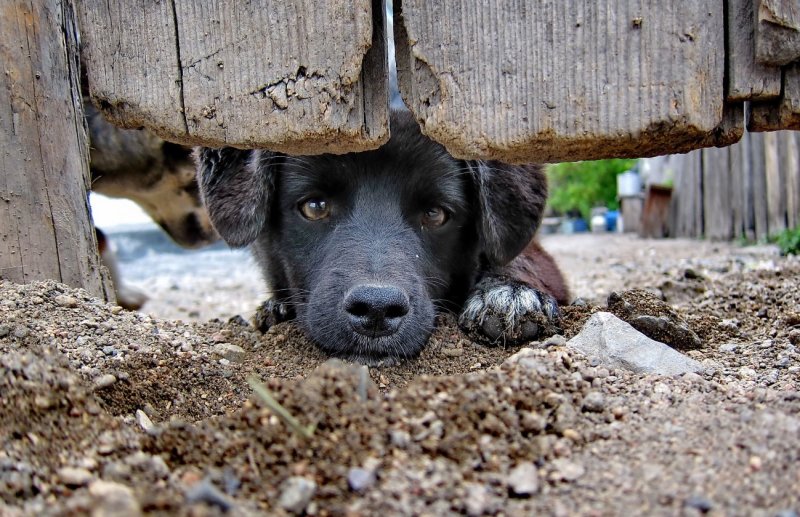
(581, 186)
(789, 242)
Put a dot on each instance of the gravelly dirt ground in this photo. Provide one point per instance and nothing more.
(121, 413)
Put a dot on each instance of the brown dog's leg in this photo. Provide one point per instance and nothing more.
(535, 267)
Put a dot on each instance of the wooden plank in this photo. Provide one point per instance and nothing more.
(745, 167)
(688, 194)
(555, 80)
(759, 178)
(776, 201)
(45, 229)
(717, 220)
(783, 113)
(747, 79)
(735, 177)
(777, 32)
(294, 76)
(790, 167)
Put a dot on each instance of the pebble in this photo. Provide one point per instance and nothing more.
(700, 503)
(594, 402)
(66, 301)
(566, 470)
(399, 438)
(4, 330)
(360, 479)
(113, 500)
(144, 421)
(523, 480)
(556, 340)
(104, 381)
(74, 477)
(232, 353)
(728, 348)
(206, 492)
(296, 493)
(21, 331)
(477, 500)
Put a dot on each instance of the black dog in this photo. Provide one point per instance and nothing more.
(362, 248)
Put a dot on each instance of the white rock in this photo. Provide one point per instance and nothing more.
(296, 493)
(617, 344)
(74, 477)
(233, 353)
(113, 500)
(523, 480)
(144, 420)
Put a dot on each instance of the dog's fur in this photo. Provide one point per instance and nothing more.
(157, 175)
(365, 280)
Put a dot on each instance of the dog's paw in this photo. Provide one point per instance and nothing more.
(502, 310)
(272, 312)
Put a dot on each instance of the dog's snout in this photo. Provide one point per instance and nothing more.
(376, 310)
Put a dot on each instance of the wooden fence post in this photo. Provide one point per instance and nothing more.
(45, 228)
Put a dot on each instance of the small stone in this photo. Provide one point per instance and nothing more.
(105, 381)
(523, 480)
(116, 310)
(113, 500)
(555, 340)
(144, 421)
(399, 438)
(4, 330)
(691, 378)
(74, 477)
(594, 402)
(477, 499)
(360, 479)
(66, 301)
(566, 470)
(728, 348)
(794, 336)
(699, 503)
(21, 331)
(232, 353)
(453, 352)
(296, 493)
(747, 373)
(206, 492)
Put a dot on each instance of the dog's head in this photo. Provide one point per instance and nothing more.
(366, 245)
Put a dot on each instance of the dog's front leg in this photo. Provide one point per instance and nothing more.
(517, 303)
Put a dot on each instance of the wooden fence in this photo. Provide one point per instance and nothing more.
(749, 190)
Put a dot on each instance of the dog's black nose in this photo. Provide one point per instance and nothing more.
(376, 310)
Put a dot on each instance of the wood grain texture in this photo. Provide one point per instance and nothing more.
(747, 79)
(783, 113)
(776, 188)
(717, 220)
(296, 76)
(563, 80)
(45, 228)
(790, 164)
(777, 31)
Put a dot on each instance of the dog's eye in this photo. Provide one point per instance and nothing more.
(434, 217)
(315, 209)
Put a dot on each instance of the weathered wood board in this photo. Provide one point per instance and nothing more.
(783, 113)
(563, 80)
(777, 31)
(776, 187)
(717, 220)
(45, 229)
(790, 164)
(747, 79)
(295, 76)
(687, 199)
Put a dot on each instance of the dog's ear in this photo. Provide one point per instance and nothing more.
(511, 201)
(237, 187)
